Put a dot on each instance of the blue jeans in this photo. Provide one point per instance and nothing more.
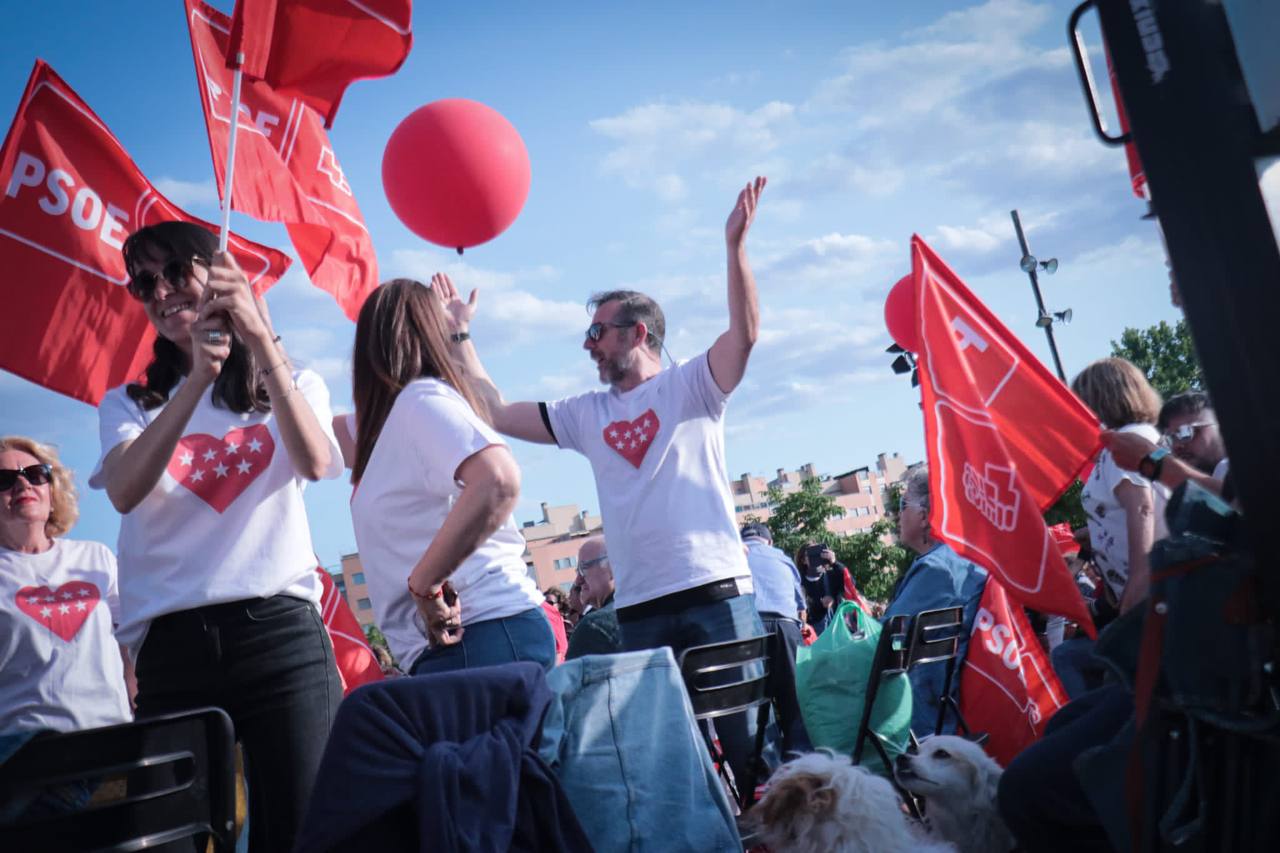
(524, 636)
(718, 622)
(269, 664)
(621, 736)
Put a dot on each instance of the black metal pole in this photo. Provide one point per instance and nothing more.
(1035, 287)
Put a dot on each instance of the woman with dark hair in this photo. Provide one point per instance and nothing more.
(60, 667)
(206, 460)
(435, 487)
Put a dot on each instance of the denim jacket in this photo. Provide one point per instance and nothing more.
(938, 578)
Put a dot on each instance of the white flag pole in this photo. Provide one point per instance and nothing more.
(231, 155)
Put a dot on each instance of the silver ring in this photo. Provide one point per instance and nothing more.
(213, 336)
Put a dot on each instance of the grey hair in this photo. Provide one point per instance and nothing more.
(635, 307)
(917, 488)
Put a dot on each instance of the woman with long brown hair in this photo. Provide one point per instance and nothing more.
(435, 488)
(206, 460)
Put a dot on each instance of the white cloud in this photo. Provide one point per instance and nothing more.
(187, 194)
(662, 138)
(851, 260)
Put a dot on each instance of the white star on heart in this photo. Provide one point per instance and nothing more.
(620, 445)
(643, 438)
(197, 476)
(255, 445)
(244, 467)
(65, 595)
(232, 448)
(221, 470)
(209, 455)
(83, 593)
(81, 606)
(46, 612)
(185, 459)
(613, 433)
(64, 609)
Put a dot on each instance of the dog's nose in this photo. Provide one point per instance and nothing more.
(902, 761)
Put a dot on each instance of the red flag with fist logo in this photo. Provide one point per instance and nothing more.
(314, 49)
(357, 664)
(1004, 439)
(1008, 688)
(286, 170)
(71, 197)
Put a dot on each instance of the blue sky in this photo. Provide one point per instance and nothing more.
(642, 121)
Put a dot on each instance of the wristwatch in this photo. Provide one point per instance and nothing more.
(1151, 464)
(459, 337)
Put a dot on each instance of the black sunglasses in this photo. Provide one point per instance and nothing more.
(596, 330)
(36, 475)
(143, 285)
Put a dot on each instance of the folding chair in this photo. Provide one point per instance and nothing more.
(704, 669)
(935, 636)
(178, 772)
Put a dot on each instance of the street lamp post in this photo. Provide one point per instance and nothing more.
(1028, 264)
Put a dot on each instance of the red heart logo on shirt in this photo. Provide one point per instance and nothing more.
(218, 470)
(63, 610)
(632, 439)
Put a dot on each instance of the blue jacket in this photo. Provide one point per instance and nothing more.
(775, 578)
(938, 578)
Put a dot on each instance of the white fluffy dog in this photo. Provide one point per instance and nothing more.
(957, 780)
(822, 803)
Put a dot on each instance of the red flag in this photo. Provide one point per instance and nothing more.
(357, 664)
(286, 170)
(71, 197)
(1137, 175)
(314, 49)
(1004, 438)
(1008, 689)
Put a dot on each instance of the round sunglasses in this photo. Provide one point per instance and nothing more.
(142, 286)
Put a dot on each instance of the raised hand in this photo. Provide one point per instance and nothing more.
(457, 312)
(227, 293)
(744, 211)
(210, 348)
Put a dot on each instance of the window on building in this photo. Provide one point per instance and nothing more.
(364, 604)
(357, 578)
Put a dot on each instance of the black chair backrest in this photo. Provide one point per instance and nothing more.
(179, 785)
(935, 635)
(702, 666)
(892, 657)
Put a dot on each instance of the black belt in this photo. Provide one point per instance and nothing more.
(677, 602)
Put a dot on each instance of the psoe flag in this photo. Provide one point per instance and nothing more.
(286, 169)
(71, 197)
(1008, 688)
(1004, 439)
(314, 49)
(356, 662)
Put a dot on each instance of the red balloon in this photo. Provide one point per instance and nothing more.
(900, 314)
(456, 173)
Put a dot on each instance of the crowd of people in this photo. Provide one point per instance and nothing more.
(210, 597)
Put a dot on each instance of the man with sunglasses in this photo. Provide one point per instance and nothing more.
(655, 440)
(597, 633)
(1190, 428)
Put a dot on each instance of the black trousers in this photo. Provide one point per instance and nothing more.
(269, 664)
(783, 669)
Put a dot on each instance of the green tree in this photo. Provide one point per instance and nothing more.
(874, 559)
(802, 516)
(1068, 509)
(1165, 354)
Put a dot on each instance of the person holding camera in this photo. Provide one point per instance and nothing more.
(822, 579)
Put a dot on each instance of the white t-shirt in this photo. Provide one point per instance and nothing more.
(225, 522)
(59, 662)
(404, 495)
(1108, 535)
(657, 452)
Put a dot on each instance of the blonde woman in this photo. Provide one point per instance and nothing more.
(1125, 510)
(60, 667)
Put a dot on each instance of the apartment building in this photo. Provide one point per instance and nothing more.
(551, 545)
